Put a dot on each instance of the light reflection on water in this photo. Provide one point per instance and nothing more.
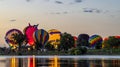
(60, 61)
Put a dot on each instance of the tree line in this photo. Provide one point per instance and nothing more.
(68, 43)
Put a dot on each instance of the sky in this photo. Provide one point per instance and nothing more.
(100, 17)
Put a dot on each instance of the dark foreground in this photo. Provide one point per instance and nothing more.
(55, 52)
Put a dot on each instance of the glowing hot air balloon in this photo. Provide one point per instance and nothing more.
(54, 37)
(95, 40)
(113, 39)
(28, 31)
(117, 36)
(40, 37)
(10, 39)
(75, 38)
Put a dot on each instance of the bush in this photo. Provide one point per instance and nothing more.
(49, 46)
(71, 51)
(83, 50)
(75, 51)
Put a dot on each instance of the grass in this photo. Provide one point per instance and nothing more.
(103, 52)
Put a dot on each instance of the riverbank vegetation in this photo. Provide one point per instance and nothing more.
(66, 47)
(71, 52)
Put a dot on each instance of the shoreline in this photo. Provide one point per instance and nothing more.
(82, 57)
(59, 53)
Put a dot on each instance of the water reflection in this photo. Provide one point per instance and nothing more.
(13, 62)
(55, 61)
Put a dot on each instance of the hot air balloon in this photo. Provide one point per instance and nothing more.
(75, 38)
(111, 42)
(40, 37)
(104, 40)
(117, 36)
(83, 40)
(54, 37)
(28, 31)
(9, 38)
(95, 41)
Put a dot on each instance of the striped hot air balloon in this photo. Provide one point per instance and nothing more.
(40, 37)
(95, 40)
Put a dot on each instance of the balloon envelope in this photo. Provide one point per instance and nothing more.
(75, 38)
(117, 37)
(28, 31)
(9, 37)
(106, 38)
(41, 37)
(54, 37)
(94, 39)
(83, 40)
(83, 37)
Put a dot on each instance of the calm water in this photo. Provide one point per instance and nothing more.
(60, 61)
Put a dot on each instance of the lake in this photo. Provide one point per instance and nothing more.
(60, 61)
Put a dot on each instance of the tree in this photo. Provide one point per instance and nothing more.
(49, 46)
(111, 42)
(66, 41)
(19, 39)
(78, 51)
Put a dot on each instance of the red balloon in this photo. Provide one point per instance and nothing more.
(117, 37)
(75, 38)
(28, 31)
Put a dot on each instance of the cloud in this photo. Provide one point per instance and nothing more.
(13, 20)
(87, 10)
(92, 10)
(46, 0)
(78, 1)
(67, 2)
(57, 13)
(112, 16)
(75, 2)
(28, 0)
(59, 2)
(65, 12)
